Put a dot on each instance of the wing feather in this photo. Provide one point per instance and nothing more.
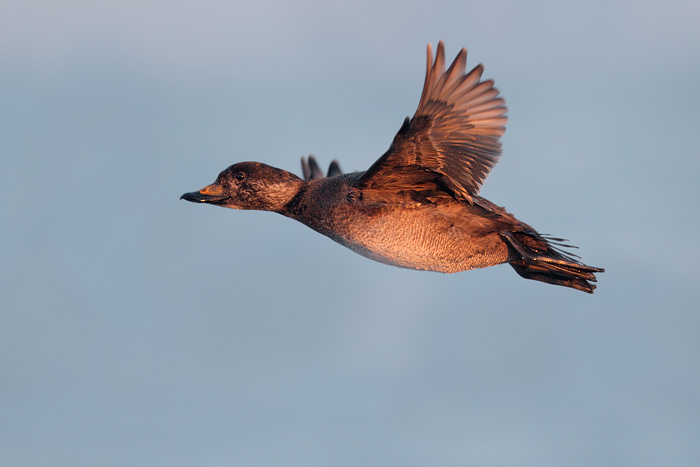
(453, 136)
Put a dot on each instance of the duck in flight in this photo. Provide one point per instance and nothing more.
(418, 205)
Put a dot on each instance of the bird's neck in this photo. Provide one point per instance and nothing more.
(293, 204)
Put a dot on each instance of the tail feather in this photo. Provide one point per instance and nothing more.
(540, 258)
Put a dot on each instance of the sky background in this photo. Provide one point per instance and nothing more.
(138, 329)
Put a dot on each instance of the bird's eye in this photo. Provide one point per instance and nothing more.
(240, 176)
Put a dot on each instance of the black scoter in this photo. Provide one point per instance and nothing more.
(417, 206)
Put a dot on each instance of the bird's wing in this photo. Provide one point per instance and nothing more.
(310, 169)
(453, 138)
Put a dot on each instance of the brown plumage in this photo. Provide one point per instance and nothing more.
(417, 206)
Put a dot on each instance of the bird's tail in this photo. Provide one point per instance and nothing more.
(541, 258)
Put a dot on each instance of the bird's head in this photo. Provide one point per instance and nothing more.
(249, 185)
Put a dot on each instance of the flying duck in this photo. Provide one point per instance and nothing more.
(418, 205)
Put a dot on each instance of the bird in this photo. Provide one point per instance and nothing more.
(418, 205)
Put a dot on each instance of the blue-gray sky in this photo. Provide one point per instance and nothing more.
(137, 329)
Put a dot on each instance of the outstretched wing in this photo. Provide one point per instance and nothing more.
(452, 140)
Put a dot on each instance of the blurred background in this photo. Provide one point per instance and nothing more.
(137, 329)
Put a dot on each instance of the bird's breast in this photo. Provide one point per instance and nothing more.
(412, 235)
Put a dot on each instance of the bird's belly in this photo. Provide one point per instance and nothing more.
(411, 239)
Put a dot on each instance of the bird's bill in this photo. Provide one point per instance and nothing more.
(212, 194)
